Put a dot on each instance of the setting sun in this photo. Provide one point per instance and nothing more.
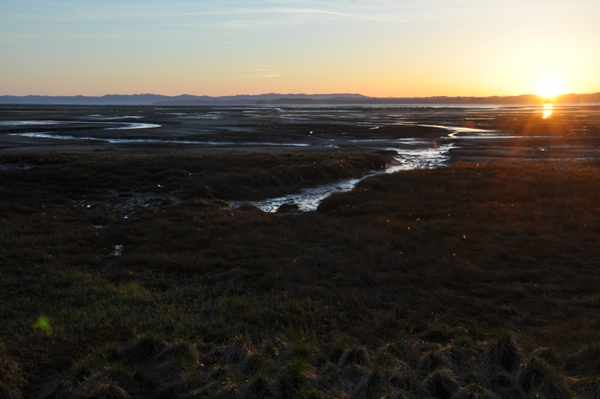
(549, 87)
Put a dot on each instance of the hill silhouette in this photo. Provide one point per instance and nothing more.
(286, 99)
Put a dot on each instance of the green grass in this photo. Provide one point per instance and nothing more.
(465, 281)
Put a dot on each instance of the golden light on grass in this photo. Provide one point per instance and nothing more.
(549, 87)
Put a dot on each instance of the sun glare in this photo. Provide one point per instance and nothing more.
(549, 87)
(547, 111)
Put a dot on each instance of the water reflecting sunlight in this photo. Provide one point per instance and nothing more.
(547, 111)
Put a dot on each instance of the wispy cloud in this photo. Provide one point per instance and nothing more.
(251, 14)
(260, 73)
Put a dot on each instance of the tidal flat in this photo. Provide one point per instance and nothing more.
(470, 272)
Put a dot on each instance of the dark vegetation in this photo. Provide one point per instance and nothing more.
(129, 277)
(62, 179)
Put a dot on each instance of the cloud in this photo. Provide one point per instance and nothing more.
(225, 13)
(260, 73)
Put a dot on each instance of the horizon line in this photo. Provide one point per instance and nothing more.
(294, 94)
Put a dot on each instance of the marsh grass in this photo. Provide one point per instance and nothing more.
(437, 282)
(11, 378)
(504, 353)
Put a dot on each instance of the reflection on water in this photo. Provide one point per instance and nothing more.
(99, 121)
(131, 126)
(44, 135)
(406, 159)
(30, 123)
(110, 118)
(547, 111)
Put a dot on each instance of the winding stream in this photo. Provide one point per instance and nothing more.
(412, 153)
(407, 159)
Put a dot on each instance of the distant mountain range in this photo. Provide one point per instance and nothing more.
(286, 99)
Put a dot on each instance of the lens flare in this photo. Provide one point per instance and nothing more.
(43, 324)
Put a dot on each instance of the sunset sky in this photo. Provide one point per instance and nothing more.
(380, 48)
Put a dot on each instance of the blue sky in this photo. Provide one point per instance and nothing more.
(379, 47)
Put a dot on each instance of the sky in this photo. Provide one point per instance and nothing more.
(381, 48)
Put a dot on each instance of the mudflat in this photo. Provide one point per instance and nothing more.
(476, 133)
(126, 273)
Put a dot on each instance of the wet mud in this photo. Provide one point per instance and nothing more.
(476, 133)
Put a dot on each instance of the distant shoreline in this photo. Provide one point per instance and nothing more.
(274, 99)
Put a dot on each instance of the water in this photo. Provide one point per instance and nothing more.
(111, 125)
(365, 127)
(407, 159)
(45, 135)
(131, 125)
(31, 123)
(412, 153)
(110, 118)
(419, 157)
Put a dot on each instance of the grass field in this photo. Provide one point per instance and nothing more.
(128, 276)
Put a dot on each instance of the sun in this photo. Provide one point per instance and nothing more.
(549, 87)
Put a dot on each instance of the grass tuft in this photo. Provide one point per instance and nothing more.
(537, 376)
(294, 374)
(504, 353)
(441, 383)
(238, 351)
(98, 386)
(474, 391)
(503, 383)
(358, 356)
(431, 361)
(231, 388)
(346, 352)
(534, 373)
(257, 388)
(371, 385)
(182, 351)
(406, 378)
